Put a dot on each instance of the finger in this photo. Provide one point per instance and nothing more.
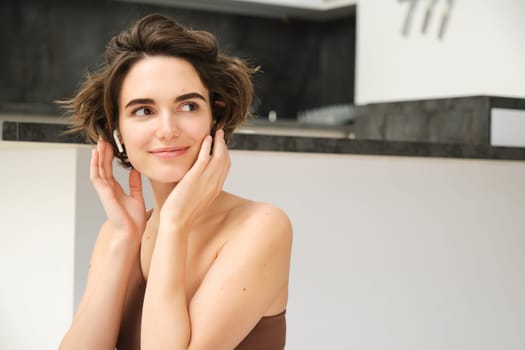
(203, 157)
(100, 150)
(93, 166)
(219, 145)
(221, 157)
(94, 169)
(94, 173)
(135, 185)
(218, 141)
(108, 160)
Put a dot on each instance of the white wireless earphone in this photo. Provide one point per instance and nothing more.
(116, 137)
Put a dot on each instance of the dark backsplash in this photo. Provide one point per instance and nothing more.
(50, 45)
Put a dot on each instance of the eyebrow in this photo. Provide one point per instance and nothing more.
(190, 95)
(139, 101)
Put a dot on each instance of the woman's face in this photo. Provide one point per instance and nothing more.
(164, 114)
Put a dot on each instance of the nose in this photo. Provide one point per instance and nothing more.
(167, 126)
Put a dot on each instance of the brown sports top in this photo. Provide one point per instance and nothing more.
(268, 334)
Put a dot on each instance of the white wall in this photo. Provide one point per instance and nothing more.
(393, 253)
(398, 253)
(89, 216)
(36, 245)
(482, 51)
(49, 219)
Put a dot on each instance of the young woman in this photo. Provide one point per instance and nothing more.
(202, 269)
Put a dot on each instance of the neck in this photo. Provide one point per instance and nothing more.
(160, 192)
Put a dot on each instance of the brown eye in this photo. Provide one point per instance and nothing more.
(142, 111)
(189, 107)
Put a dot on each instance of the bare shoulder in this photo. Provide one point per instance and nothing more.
(259, 220)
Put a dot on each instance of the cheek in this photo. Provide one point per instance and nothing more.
(134, 140)
(198, 130)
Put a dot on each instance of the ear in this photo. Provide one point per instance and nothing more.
(116, 138)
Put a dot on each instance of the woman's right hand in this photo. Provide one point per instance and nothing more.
(114, 276)
(125, 212)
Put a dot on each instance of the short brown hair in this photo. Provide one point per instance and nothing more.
(94, 108)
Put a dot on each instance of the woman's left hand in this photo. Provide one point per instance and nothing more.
(200, 185)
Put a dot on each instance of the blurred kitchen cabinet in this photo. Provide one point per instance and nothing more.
(319, 5)
(306, 9)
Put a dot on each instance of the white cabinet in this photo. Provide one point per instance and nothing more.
(308, 9)
(316, 5)
(507, 127)
(471, 58)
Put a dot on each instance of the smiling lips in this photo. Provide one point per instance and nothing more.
(169, 152)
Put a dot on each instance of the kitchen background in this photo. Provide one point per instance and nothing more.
(375, 69)
(305, 63)
(408, 220)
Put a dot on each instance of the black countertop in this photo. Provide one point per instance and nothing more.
(25, 131)
(456, 120)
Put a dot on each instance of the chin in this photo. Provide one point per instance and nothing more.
(166, 177)
(164, 172)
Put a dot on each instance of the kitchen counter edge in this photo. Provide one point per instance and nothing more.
(54, 133)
